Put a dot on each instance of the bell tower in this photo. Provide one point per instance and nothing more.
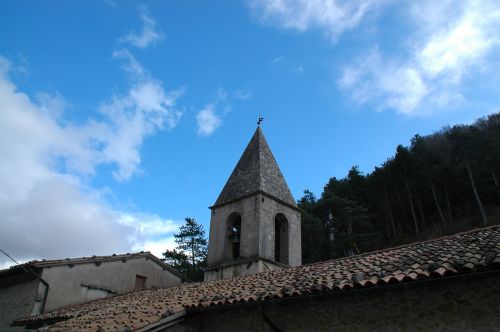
(255, 222)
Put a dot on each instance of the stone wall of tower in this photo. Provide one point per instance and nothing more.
(248, 208)
(258, 214)
(269, 208)
(242, 268)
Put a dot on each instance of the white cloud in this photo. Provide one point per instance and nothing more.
(445, 49)
(299, 69)
(140, 113)
(447, 45)
(149, 225)
(132, 66)
(244, 94)
(461, 42)
(276, 60)
(144, 110)
(392, 85)
(8, 263)
(333, 16)
(151, 233)
(149, 33)
(157, 247)
(47, 209)
(294, 66)
(207, 120)
(221, 95)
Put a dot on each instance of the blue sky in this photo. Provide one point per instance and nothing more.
(120, 118)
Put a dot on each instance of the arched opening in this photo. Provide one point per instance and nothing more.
(233, 236)
(281, 239)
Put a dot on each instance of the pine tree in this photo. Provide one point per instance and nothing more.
(189, 257)
(463, 147)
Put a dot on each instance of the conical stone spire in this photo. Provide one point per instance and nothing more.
(256, 171)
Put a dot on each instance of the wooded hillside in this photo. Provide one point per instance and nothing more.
(442, 183)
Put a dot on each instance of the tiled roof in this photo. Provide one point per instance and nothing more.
(459, 254)
(256, 171)
(92, 259)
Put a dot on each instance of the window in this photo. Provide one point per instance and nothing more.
(281, 239)
(140, 282)
(233, 236)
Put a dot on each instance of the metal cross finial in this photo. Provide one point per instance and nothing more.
(260, 121)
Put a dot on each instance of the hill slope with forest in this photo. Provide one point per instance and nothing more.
(441, 184)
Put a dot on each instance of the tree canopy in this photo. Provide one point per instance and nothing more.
(189, 256)
(442, 183)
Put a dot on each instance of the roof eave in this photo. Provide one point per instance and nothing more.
(292, 206)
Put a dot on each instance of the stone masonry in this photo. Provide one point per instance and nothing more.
(454, 305)
(257, 192)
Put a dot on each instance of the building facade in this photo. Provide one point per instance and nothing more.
(41, 286)
(446, 284)
(460, 304)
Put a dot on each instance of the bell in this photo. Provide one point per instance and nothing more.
(236, 239)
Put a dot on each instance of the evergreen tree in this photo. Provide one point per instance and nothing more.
(315, 234)
(443, 183)
(463, 150)
(190, 255)
(428, 165)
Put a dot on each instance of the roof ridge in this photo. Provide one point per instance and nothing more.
(67, 259)
(90, 259)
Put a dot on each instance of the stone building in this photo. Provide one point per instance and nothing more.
(42, 286)
(446, 284)
(255, 222)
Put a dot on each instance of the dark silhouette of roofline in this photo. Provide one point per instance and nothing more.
(92, 259)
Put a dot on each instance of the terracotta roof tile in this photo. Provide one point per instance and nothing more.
(462, 253)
